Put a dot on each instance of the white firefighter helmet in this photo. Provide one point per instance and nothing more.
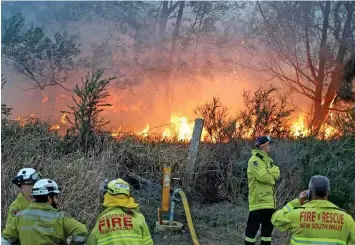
(26, 176)
(45, 187)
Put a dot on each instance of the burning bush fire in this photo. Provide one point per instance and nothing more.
(178, 126)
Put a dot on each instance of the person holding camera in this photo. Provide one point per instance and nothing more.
(313, 219)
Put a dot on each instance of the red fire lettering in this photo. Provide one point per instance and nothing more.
(108, 223)
(301, 216)
(127, 221)
(116, 221)
(309, 216)
(313, 216)
(325, 217)
(101, 224)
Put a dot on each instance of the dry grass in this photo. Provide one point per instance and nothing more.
(218, 202)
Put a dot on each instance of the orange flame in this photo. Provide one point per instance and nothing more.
(181, 128)
(116, 133)
(62, 119)
(145, 131)
(167, 134)
(55, 127)
(298, 128)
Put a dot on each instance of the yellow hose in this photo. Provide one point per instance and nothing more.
(189, 219)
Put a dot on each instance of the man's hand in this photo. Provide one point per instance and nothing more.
(303, 197)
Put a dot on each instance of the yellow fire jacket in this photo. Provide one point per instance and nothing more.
(41, 224)
(262, 175)
(116, 226)
(19, 204)
(316, 222)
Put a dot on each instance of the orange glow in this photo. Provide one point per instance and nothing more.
(54, 127)
(62, 119)
(145, 131)
(45, 99)
(116, 133)
(180, 127)
(330, 131)
(298, 128)
(167, 134)
(62, 97)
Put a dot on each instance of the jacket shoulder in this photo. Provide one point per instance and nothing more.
(15, 208)
(254, 160)
(15, 204)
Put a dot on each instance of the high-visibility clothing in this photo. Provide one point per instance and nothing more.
(262, 176)
(120, 200)
(41, 224)
(116, 225)
(19, 204)
(257, 217)
(316, 222)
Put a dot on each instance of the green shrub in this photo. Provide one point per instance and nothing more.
(334, 159)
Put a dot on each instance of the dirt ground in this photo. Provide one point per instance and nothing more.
(215, 224)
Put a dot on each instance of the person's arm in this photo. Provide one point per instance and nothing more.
(147, 239)
(281, 218)
(351, 237)
(76, 230)
(13, 210)
(275, 172)
(92, 240)
(260, 171)
(11, 233)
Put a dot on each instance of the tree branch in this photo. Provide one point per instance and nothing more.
(323, 43)
(172, 8)
(308, 49)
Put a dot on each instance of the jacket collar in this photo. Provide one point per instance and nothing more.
(320, 204)
(263, 153)
(22, 200)
(43, 206)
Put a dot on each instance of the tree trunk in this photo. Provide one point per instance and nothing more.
(321, 109)
(167, 72)
(176, 35)
(194, 60)
(319, 112)
(163, 21)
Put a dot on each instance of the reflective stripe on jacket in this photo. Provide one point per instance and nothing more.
(116, 226)
(41, 224)
(262, 176)
(316, 222)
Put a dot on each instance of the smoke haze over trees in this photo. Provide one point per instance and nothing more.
(168, 56)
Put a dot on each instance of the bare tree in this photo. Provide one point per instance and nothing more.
(304, 45)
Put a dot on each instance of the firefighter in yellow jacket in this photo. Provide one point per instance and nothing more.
(312, 219)
(25, 180)
(262, 176)
(121, 222)
(41, 223)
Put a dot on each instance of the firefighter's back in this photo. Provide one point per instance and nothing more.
(42, 225)
(119, 226)
(321, 222)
